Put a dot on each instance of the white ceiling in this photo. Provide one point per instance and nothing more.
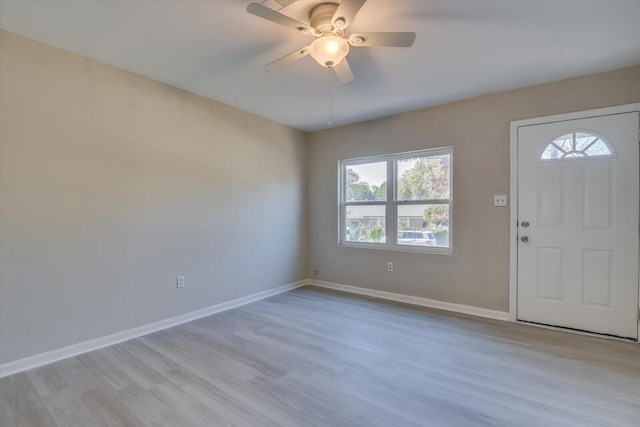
(463, 49)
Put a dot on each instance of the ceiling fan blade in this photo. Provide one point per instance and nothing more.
(343, 72)
(347, 10)
(271, 15)
(382, 39)
(288, 59)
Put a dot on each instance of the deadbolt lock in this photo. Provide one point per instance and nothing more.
(525, 224)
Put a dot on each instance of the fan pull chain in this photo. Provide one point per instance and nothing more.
(331, 85)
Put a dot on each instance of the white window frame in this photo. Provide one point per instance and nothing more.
(391, 204)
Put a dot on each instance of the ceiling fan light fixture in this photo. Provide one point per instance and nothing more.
(329, 50)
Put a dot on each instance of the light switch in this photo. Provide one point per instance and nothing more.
(500, 200)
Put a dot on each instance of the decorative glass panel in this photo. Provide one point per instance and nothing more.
(577, 144)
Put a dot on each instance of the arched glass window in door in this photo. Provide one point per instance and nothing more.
(577, 144)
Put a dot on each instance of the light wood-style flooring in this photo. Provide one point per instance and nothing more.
(313, 357)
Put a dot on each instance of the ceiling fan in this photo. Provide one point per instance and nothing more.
(327, 24)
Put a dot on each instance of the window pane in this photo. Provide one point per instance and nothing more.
(367, 181)
(365, 224)
(565, 142)
(423, 178)
(584, 140)
(552, 152)
(423, 225)
(599, 148)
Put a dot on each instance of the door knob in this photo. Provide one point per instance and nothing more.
(525, 239)
(525, 224)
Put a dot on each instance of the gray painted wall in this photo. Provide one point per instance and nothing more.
(113, 184)
(477, 274)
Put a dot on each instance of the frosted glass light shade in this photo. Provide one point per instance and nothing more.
(329, 51)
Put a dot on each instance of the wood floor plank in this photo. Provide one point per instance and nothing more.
(21, 402)
(68, 410)
(315, 357)
(107, 409)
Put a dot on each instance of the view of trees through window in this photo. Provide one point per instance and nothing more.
(358, 190)
(366, 182)
(424, 178)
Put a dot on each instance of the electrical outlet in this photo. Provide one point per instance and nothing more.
(180, 282)
(316, 271)
(389, 266)
(500, 200)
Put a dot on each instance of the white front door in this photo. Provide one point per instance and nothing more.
(578, 213)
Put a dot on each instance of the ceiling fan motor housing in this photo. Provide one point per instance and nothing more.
(321, 17)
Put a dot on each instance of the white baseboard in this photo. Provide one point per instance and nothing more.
(41, 359)
(34, 361)
(424, 302)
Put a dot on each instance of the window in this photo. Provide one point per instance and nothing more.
(577, 145)
(413, 213)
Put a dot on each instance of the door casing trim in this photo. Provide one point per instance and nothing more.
(513, 212)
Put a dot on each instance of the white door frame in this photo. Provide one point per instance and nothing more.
(513, 218)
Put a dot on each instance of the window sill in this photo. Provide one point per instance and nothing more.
(397, 248)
